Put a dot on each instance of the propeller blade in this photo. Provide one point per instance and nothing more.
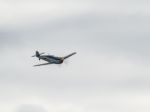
(66, 62)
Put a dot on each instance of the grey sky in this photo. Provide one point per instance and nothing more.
(110, 72)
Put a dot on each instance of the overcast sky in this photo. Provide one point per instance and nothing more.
(109, 73)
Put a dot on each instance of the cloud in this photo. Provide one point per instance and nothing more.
(109, 73)
(31, 108)
(124, 35)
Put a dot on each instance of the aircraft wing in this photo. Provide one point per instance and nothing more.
(43, 64)
(69, 55)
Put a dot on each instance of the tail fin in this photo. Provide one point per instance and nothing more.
(69, 55)
(37, 54)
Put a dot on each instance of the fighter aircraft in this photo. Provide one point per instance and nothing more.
(50, 58)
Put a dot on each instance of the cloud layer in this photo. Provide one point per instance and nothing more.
(109, 73)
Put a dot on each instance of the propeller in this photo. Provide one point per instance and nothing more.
(66, 62)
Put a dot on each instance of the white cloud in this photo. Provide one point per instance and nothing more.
(110, 72)
(23, 12)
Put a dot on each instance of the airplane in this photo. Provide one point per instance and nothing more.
(50, 58)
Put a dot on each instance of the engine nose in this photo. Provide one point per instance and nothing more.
(61, 61)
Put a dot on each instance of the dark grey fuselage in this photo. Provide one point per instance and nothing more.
(51, 59)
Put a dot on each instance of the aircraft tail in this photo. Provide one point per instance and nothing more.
(69, 55)
(37, 54)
